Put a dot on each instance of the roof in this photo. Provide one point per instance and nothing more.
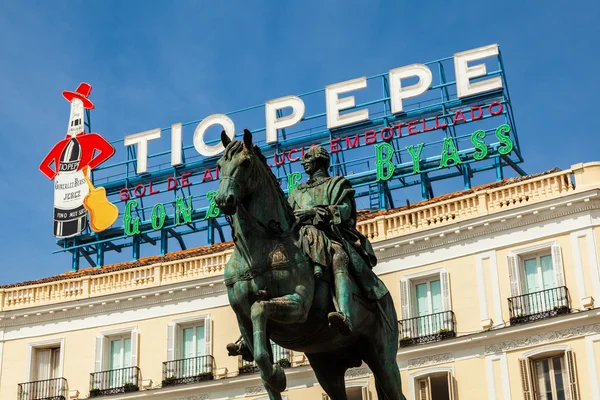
(362, 215)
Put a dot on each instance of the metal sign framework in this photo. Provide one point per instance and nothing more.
(356, 163)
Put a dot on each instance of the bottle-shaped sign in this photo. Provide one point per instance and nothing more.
(70, 188)
(73, 157)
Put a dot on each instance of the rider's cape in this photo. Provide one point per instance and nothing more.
(333, 199)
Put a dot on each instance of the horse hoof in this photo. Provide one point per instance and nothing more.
(278, 381)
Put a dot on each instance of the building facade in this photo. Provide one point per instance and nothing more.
(496, 288)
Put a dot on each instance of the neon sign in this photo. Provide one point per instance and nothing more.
(407, 128)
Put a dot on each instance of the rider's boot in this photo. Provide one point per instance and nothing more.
(343, 293)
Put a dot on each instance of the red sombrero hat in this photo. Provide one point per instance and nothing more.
(81, 93)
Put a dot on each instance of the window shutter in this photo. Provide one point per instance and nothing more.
(170, 342)
(134, 348)
(557, 263)
(208, 336)
(526, 379)
(445, 283)
(99, 354)
(404, 299)
(513, 274)
(365, 393)
(572, 374)
(425, 389)
(451, 389)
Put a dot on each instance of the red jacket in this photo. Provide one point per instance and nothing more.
(89, 142)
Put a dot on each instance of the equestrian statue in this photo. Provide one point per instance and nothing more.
(301, 274)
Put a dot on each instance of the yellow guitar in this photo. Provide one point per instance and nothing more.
(102, 212)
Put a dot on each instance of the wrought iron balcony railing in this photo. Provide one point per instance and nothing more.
(123, 380)
(427, 328)
(48, 389)
(188, 370)
(538, 305)
(281, 356)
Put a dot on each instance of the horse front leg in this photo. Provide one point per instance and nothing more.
(288, 309)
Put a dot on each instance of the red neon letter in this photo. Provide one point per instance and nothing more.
(124, 193)
(390, 133)
(370, 137)
(411, 125)
(184, 179)
(425, 128)
(171, 183)
(207, 175)
(137, 192)
(437, 124)
(152, 192)
(499, 105)
(334, 145)
(399, 128)
(282, 159)
(293, 159)
(476, 117)
(459, 116)
(354, 143)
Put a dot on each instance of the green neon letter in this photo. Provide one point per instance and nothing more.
(502, 135)
(213, 210)
(293, 181)
(384, 160)
(449, 147)
(416, 157)
(131, 225)
(183, 211)
(477, 140)
(158, 216)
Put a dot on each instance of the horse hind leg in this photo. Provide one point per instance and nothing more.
(289, 309)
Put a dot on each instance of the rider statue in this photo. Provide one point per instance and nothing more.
(326, 211)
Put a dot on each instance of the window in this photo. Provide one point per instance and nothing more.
(428, 302)
(536, 268)
(44, 370)
(115, 360)
(47, 364)
(189, 347)
(353, 393)
(426, 306)
(116, 350)
(537, 280)
(550, 377)
(438, 386)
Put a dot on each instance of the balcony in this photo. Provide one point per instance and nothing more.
(538, 305)
(188, 370)
(427, 328)
(49, 389)
(281, 356)
(123, 380)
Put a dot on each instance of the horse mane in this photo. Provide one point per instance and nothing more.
(235, 147)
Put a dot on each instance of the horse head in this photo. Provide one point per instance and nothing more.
(238, 172)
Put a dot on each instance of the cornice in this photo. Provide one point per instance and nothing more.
(114, 302)
(459, 232)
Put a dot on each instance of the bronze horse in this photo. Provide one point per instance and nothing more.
(275, 295)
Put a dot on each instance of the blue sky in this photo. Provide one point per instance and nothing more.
(156, 63)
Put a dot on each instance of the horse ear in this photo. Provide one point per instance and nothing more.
(248, 139)
(225, 139)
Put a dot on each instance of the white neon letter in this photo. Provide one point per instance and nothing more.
(464, 73)
(398, 93)
(273, 123)
(176, 144)
(215, 119)
(142, 139)
(334, 104)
